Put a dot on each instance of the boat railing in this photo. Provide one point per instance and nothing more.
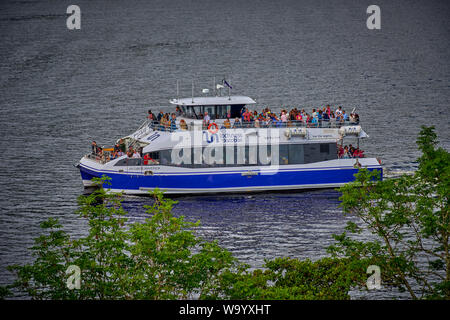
(97, 158)
(170, 126)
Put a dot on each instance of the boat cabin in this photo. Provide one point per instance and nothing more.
(218, 107)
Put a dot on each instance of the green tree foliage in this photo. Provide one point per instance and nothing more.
(160, 258)
(408, 218)
(293, 279)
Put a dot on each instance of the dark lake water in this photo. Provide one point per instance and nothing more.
(60, 89)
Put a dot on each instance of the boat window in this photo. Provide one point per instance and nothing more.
(188, 111)
(324, 148)
(284, 154)
(211, 111)
(134, 162)
(129, 162)
(215, 112)
(152, 159)
(296, 154)
(235, 110)
(222, 111)
(197, 112)
(154, 155)
(165, 157)
(320, 152)
(122, 162)
(234, 156)
(312, 153)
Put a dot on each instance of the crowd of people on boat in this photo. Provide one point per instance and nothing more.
(345, 152)
(320, 117)
(108, 154)
(118, 151)
(165, 121)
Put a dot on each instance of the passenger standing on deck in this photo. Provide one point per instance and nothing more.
(346, 153)
(227, 124)
(99, 153)
(340, 151)
(130, 152)
(178, 111)
(356, 117)
(151, 116)
(183, 125)
(344, 116)
(326, 119)
(122, 145)
(206, 119)
(136, 154)
(160, 115)
(116, 147)
(283, 117)
(314, 122)
(237, 123)
(94, 148)
(246, 116)
(173, 122)
(319, 118)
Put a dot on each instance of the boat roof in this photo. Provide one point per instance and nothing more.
(213, 101)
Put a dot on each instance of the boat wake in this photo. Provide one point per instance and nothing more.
(396, 173)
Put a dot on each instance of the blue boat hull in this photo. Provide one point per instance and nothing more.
(226, 181)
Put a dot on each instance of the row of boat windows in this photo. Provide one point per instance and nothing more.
(260, 155)
(214, 112)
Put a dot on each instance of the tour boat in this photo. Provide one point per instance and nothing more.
(197, 155)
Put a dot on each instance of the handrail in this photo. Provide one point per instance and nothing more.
(158, 126)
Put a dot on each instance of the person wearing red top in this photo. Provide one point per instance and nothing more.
(247, 115)
(146, 158)
(340, 151)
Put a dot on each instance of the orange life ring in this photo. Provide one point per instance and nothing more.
(215, 125)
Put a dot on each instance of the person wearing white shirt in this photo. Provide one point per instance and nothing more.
(136, 155)
(206, 118)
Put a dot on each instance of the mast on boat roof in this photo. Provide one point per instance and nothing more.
(217, 88)
(229, 87)
(192, 90)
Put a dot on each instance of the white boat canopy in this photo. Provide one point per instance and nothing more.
(213, 101)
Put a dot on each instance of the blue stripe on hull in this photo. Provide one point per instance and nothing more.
(232, 180)
(87, 174)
